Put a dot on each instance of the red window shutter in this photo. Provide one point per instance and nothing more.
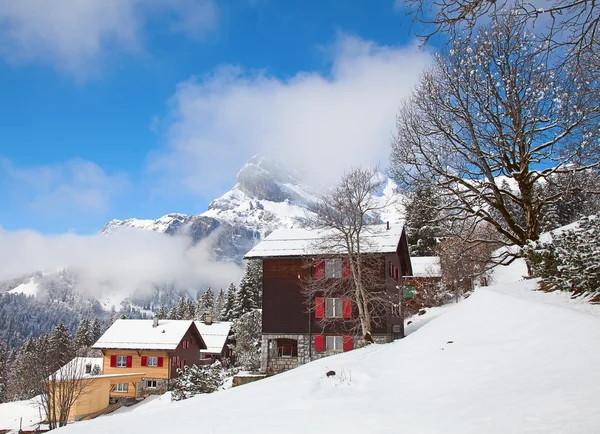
(129, 361)
(319, 342)
(113, 361)
(160, 362)
(346, 307)
(319, 270)
(319, 307)
(347, 342)
(346, 272)
(144, 361)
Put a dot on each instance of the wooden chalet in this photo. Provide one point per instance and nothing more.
(216, 336)
(291, 334)
(155, 348)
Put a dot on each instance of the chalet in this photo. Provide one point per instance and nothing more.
(216, 336)
(425, 283)
(155, 348)
(291, 332)
(81, 381)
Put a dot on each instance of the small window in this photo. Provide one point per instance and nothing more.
(121, 387)
(88, 368)
(152, 361)
(333, 307)
(287, 348)
(333, 268)
(121, 361)
(334, 343)
(150, 384)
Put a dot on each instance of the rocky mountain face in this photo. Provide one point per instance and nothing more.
(266, 196)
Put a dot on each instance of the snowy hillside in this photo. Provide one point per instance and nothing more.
(507, 359)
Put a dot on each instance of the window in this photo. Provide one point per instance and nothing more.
(121, 361)
(121, 387)
(333, 268)
(287, 348)
(88, 368)
(334, 343)
(333, 307)
(152, 361)
(151, 384)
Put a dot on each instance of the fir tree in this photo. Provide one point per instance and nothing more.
(82, 336)
(60, 346)
(189, 309)
(95, 331)
(205, 305)
(3, 372)
(245, 298)
(219, 305)
(162, 312)
(421, 208)
(227, 311)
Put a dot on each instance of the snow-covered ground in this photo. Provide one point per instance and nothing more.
(27, 288)
(505, 360)
(25, 414)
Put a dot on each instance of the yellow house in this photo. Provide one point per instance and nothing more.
(156, 348)
(80, 384)
(139, 358)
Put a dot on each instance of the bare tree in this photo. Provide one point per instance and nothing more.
(572, 24)
(493, 106)
(343, 216)
(64, 387)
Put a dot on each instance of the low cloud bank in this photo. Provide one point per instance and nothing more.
(125, 261)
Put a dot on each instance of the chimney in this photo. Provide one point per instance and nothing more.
(155, 321)
(387, 225)
(208, 320)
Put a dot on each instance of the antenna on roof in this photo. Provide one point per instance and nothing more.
(387, 226)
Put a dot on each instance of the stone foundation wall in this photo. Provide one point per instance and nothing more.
(270, 361)
(161, 387)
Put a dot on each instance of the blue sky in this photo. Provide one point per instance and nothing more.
(137, 108)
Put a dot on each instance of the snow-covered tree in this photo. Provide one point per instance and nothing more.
(569, 262)
(496, 104)
(95, 331)
(244, 300)
(82, 335)
(246, 339)
(205, 305)
(220, 302)
(60, 346)
(227, 313)
(423, 220)
(162, 312)
(194, 380)
(3, 372)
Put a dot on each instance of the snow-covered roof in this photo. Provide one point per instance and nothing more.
(426, 266)
(214, 335)
(140, 334)
(305, 242)
(76, 368)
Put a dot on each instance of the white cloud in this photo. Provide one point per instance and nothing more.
(74, 186)
(126, 260)
(76, 35)
(320, 122)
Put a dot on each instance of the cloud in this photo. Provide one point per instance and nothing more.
(75, 36)
(320, 122)
(125, 260)
(71, 187)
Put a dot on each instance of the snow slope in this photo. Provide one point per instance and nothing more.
(25, 414)
(505, 360)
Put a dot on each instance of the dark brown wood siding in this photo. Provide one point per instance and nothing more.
(191, 355)
(284, 308)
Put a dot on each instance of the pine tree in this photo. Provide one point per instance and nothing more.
(3, 372)
(205, 305)
(95, 331)
(421, 209)
(245, 298)
(162, 312)
(227, 311)
(82, 335)
(189, 309)
(219, 305)
(60, 344)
